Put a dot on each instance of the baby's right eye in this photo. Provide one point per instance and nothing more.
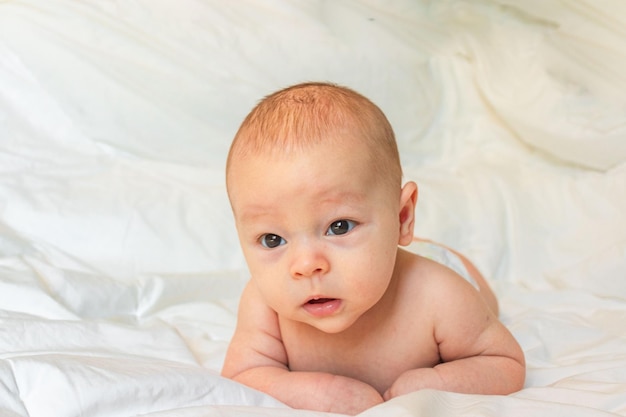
(271, 241)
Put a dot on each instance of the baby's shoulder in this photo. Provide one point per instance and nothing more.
(422, 269)
(439, 294)
(428, 279)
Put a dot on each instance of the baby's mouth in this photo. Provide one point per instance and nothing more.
(322, 306)
(320, 300)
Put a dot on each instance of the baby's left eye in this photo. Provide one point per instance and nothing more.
(340, 227)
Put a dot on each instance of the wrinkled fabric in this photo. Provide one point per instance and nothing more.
(120, 269)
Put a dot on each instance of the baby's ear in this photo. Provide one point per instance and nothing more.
(408, 199)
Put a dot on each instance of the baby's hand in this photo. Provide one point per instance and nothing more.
(350, 396)
(413, 380)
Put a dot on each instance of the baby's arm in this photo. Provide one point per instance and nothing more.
(256, 357)
(478, 354)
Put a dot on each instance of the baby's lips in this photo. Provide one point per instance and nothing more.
(322, 306)
(320, 300)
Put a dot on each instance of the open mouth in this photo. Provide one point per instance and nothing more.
(322, 306)
(320, 300)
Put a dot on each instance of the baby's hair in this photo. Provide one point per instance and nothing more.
(303, 115)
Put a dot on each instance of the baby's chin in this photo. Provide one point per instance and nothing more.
(332, 325)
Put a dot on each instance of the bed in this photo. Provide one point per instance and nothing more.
(120, 269)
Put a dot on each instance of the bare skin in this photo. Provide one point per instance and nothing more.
(319, 331)
(458, 345)
(485, 290)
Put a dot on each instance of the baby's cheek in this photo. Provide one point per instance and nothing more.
(274, 294)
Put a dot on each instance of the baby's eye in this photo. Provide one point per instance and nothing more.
(340, 227)
(271, 241)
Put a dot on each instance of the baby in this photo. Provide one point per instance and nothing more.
(336, 317)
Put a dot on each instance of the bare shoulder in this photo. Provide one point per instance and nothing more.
(462, 321)
(484, 288)
(429, 278)
(257, 341)
(426, 288)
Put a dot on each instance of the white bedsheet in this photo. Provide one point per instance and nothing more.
(120, 269)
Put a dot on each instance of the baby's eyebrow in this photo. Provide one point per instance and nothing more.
(342, 198)
(254, 212)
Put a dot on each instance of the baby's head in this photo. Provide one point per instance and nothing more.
(314, 181)
(299, 117)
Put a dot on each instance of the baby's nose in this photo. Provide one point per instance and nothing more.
(308, 261)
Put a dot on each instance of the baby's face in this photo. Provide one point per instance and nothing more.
(319, 232)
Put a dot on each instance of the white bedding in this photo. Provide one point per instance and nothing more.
(120, 269)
